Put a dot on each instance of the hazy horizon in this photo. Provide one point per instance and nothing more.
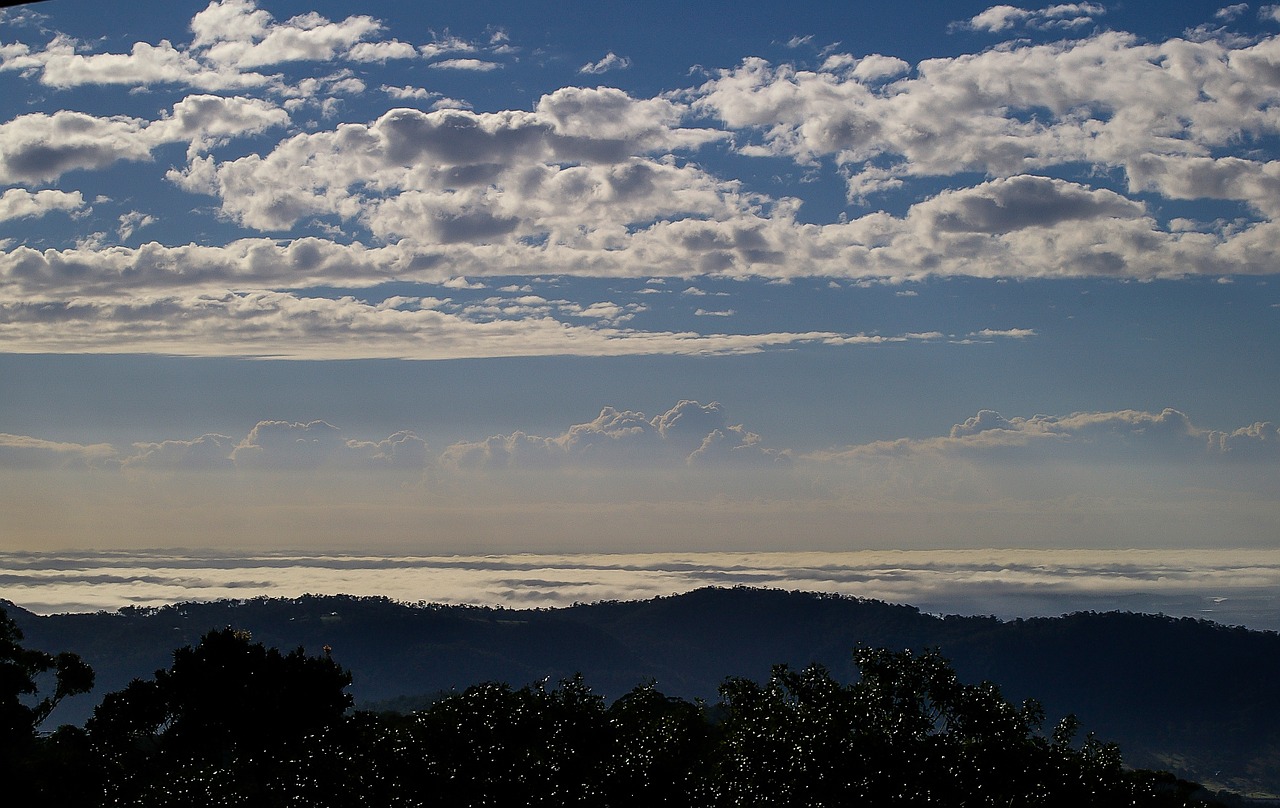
(1004, 584)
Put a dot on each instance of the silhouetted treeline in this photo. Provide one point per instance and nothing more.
(1186, 695)
(232, 722)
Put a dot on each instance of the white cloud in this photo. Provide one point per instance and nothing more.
(232, 40)
(689, 434)
(282, 325)
(407, 93)
(1120, 436)
(61, 65)
(19, 203)
(133, 221)
(382, 51)
(473, 65)
(38, 147)
(1231, 12)
(610, 61)
(1108, 100)
(1196, 583)
(1064, 15)
(454, 176)
(236, 32)
(209, 451)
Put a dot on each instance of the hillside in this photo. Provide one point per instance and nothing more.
(1190, 696)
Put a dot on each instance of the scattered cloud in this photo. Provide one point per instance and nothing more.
(1061, 16)
(689, 434)
(610, 61)
(407, 93)
(1231, 12)
(474, 65)
(133, 221)
(20, 203)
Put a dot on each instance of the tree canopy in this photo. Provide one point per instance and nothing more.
(233, 722)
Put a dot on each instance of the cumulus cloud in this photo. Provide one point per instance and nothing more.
(1109, 100)
(210, 451)
(232, 41)
(38, 147)
(689, 434)
(20, 203)
(610, 61)
(284, 445)
(1063, 15)
(408, 93)
(1014, 203)
(594, 182)
(473, 65)
(457, 176)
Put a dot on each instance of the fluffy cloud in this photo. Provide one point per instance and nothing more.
(1063, 15)
(1107, 100)
(454, 175)
(1015, 203)
(688, 434)
(19, 203)
(232, 41)
(209, 451)
(61, 65)
(38, 147)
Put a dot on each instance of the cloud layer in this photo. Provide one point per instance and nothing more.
(688, 435)
(1058, 154)
(1006, 584)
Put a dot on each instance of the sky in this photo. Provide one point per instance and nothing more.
(494, 278)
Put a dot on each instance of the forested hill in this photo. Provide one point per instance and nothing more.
(1190, 696)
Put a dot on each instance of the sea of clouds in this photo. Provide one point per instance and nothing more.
(1235, 588)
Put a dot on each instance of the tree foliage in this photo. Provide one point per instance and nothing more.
(232, 722)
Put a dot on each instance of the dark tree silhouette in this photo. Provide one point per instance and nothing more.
(232, 722)
(21, 670)
(910, 733)
(229, 721)
(30, 767)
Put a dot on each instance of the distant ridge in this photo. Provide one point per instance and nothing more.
(1186, 695)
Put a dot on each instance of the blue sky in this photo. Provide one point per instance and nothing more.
(556, 277)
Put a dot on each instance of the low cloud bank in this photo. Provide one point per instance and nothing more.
(1237, 587)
